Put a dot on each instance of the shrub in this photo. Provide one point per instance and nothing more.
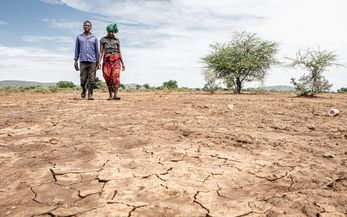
(171, 84)
(315, 62)
(65, 84)
(342, 90)
(146, 86)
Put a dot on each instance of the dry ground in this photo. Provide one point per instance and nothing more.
(172, 154)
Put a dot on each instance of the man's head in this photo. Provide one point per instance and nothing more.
(87, 26)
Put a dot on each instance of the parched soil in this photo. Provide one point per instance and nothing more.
(172, 154)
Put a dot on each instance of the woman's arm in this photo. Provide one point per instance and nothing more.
(121, 58)
(100, 55)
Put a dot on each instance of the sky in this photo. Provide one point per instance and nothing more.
(165, 39)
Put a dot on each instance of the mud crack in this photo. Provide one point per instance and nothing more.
(200, 204)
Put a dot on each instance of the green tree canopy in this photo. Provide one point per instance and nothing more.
(65, 84)
(342, 90)
(247, 57)
(171, 84)
(146, 86)
(315, 62)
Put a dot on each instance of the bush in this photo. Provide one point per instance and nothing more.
(146, 86)
(172, 84)
(27, 88)
(9, 89)
(53, 89)
(65, 84)
(315, 62)
(211, 79)
(121, 86)
(138, 86)
(99, 84)
(342, 90)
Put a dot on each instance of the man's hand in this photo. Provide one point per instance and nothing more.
(123, 67)
(98, 66)
(76, 65)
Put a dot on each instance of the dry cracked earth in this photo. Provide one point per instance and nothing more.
(172, 154)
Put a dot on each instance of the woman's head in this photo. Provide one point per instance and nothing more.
(111, 30)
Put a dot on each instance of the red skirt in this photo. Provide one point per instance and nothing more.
(111, 69)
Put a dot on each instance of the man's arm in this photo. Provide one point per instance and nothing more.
(77, 49)
(77, 53)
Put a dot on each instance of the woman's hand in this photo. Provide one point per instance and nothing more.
(98, 66)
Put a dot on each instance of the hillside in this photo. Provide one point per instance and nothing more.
(17, 83)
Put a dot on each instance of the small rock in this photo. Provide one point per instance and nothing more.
(333, 112)
(311, 127)
(132, 165)
(185, 132)
(329, 155)
(53, 141)
(203, 107)
(231, 106)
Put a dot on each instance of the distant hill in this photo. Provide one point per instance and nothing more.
(130, 86)
(15, 83)
(280, 88)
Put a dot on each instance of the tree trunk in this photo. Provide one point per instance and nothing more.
(238, 85)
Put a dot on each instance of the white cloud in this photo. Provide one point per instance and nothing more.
(3, 23)
(27, 63)
(56, 2)
(63, 24)
(40, 38)
(165, 39)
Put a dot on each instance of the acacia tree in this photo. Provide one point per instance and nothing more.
(229, 82)
(171, 84)
(247, 57)
(315, 62)
(210, 80)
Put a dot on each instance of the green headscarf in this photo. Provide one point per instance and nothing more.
(112, 28)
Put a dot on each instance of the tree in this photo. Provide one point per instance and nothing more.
(138, 86)
(146, 86)
(210, 78)
(315, 62)
(245, 58)
(172, 84)
(121, 86)
(342, 90)
(65, 84)
(99, 84)
(229, 81)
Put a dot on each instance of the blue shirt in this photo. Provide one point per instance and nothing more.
(87, 48)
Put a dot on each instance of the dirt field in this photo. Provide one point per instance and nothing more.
(172, 154)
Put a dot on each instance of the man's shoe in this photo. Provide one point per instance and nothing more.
(83, 94)
(90, 92)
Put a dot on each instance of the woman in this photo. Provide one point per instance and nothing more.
(112, 62)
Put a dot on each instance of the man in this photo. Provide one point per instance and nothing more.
(87, 52)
